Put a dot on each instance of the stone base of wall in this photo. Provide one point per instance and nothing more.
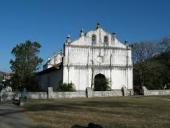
(88, 93)
(37, 95)
(147, 92)
(107, 93)
(6, 96)
(50, 94)
(78, 94)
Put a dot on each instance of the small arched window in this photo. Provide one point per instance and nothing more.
(93, 38)
(106, 39)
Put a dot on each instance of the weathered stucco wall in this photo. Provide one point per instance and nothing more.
(50, 79)
(78, 68)
(82, 76)
(85, 58)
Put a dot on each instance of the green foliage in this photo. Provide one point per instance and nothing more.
(63, 87)
(25, 63)
(150, 74)
(144, 50)
(165, 44)
(101, 83)
(1, 78)
(153, 72)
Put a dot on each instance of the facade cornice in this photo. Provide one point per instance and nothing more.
(97, 47)
(98, 66)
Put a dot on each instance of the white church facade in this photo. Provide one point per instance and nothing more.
(94, 53)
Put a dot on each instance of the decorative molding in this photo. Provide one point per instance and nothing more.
(97, 47)
(99, 66)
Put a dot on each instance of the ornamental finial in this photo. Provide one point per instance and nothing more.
(97, 25)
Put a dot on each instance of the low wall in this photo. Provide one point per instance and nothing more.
(106, 93)
(69, 94)
(78, 94)
(147, 92)
(37, 95)
(6, 96)
(50, 94)
(88, 93)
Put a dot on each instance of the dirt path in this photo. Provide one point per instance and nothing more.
(12, 116)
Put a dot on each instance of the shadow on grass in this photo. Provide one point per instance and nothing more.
(9, 108)
(90, 125)
(78, 126)
(90, 106)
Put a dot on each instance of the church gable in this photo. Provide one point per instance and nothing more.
(98, 37)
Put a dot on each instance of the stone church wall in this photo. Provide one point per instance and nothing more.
(50, 79)
(78, 66)
(82, 77)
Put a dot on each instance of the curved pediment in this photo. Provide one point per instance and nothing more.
(98, 37)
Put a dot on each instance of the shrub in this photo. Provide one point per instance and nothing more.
(101, 85)
(63, 87)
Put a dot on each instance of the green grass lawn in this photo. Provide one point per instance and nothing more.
(113, 112)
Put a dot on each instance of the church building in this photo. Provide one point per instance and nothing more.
(95, 54)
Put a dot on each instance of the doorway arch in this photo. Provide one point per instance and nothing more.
(100, 83)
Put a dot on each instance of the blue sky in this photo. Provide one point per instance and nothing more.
(49, 22)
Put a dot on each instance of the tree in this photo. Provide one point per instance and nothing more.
(24, 65)
(165, 44)
(152, 65)
(1, 78)
(144, 50)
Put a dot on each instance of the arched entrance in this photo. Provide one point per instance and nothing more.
(100, 83)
